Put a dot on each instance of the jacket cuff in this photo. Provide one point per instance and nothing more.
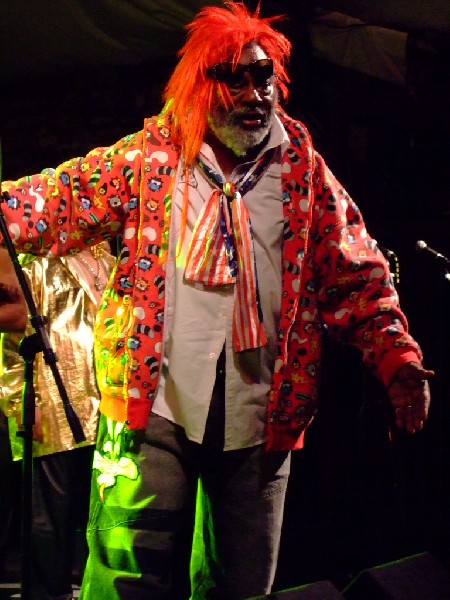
(392, 362)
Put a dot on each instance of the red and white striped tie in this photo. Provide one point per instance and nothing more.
(221, 252)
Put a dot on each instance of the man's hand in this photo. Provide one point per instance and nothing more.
(410, 396)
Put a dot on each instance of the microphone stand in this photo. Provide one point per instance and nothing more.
(29, 347)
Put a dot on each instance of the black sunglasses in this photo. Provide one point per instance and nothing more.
(233, 75)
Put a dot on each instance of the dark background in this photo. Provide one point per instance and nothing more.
(79, 74)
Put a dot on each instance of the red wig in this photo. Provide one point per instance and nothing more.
(217, 35)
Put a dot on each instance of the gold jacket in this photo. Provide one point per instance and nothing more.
(67, 291)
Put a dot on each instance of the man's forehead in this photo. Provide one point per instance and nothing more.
(251, 53)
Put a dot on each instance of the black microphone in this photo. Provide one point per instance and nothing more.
(386, 251)
(421, 246)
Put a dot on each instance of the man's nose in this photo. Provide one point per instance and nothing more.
(249, 91)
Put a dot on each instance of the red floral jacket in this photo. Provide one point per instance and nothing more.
(333, 276)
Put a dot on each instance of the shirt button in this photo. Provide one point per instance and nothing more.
(212, 355)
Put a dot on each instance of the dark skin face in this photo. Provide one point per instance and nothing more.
(237, 134)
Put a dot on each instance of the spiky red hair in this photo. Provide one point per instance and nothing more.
(217, 35)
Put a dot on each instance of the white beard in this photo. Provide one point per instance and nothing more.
(231, 134)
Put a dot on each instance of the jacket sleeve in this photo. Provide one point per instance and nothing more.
(357, 300)
(84, 201)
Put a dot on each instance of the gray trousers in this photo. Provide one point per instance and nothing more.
(140, 534)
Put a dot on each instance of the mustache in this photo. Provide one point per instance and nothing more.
(238, 114)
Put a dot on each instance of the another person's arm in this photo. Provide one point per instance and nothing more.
(13, 309)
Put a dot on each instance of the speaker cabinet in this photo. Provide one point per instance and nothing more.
(320, 590)
(417, 577)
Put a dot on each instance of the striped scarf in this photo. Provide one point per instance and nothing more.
(221, 251)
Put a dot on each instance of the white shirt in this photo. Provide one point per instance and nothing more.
(199, 319)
